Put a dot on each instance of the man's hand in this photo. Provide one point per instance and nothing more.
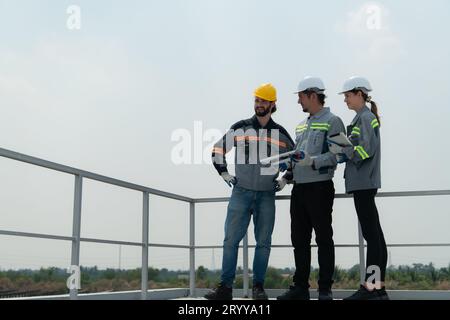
(284, 165)
(229, 179)
(297, 156)
(303, 159)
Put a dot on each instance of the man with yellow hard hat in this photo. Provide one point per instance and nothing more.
(254, 187)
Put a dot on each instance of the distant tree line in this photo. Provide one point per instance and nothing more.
(51, 281)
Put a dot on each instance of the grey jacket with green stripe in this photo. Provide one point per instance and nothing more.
(362, 170)
(311, 137)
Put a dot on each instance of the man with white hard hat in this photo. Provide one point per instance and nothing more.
(313, 193)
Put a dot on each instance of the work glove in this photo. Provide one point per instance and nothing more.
(341, 158)
(280, 184)
(303, 159)
(229, 179)
(283, 165)
(297, 156)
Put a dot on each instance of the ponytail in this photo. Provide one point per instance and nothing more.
(373, 105)
(374, 109)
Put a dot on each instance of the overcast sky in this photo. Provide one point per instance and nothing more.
(108, 98)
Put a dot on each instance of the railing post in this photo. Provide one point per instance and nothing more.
(144, 269)
(76, 230)
(362, 264)
(245, 263)
(192, 249)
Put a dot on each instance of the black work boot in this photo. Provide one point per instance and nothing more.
(382, 294)
(295, 293)
(222, 292)
(325, 294)
(364, 294)
(258, 292)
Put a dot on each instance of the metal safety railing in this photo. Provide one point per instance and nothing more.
(76, 238)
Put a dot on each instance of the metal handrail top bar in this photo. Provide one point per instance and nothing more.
(343, 195)
(93, 240)
(86, 174)
(180, 246)
(93, 176)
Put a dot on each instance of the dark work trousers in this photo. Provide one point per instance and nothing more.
(311, 208)
(371, 229)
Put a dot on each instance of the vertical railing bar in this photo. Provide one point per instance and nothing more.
(76, 231)
(145, 226)
(362, 264)
(192, 249)
(245, 265)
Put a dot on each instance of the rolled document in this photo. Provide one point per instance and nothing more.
(277, 157)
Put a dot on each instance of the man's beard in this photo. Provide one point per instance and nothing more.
(262, 113)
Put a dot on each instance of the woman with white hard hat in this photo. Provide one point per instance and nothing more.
(363, 179)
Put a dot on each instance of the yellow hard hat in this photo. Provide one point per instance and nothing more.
(266, 91)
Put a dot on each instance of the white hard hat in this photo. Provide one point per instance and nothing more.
(358, 83)
(311, 83)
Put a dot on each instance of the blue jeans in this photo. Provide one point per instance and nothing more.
(242, 205)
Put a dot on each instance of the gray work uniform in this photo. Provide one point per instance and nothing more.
(248, 138)
(363, 169)
(311, 137)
